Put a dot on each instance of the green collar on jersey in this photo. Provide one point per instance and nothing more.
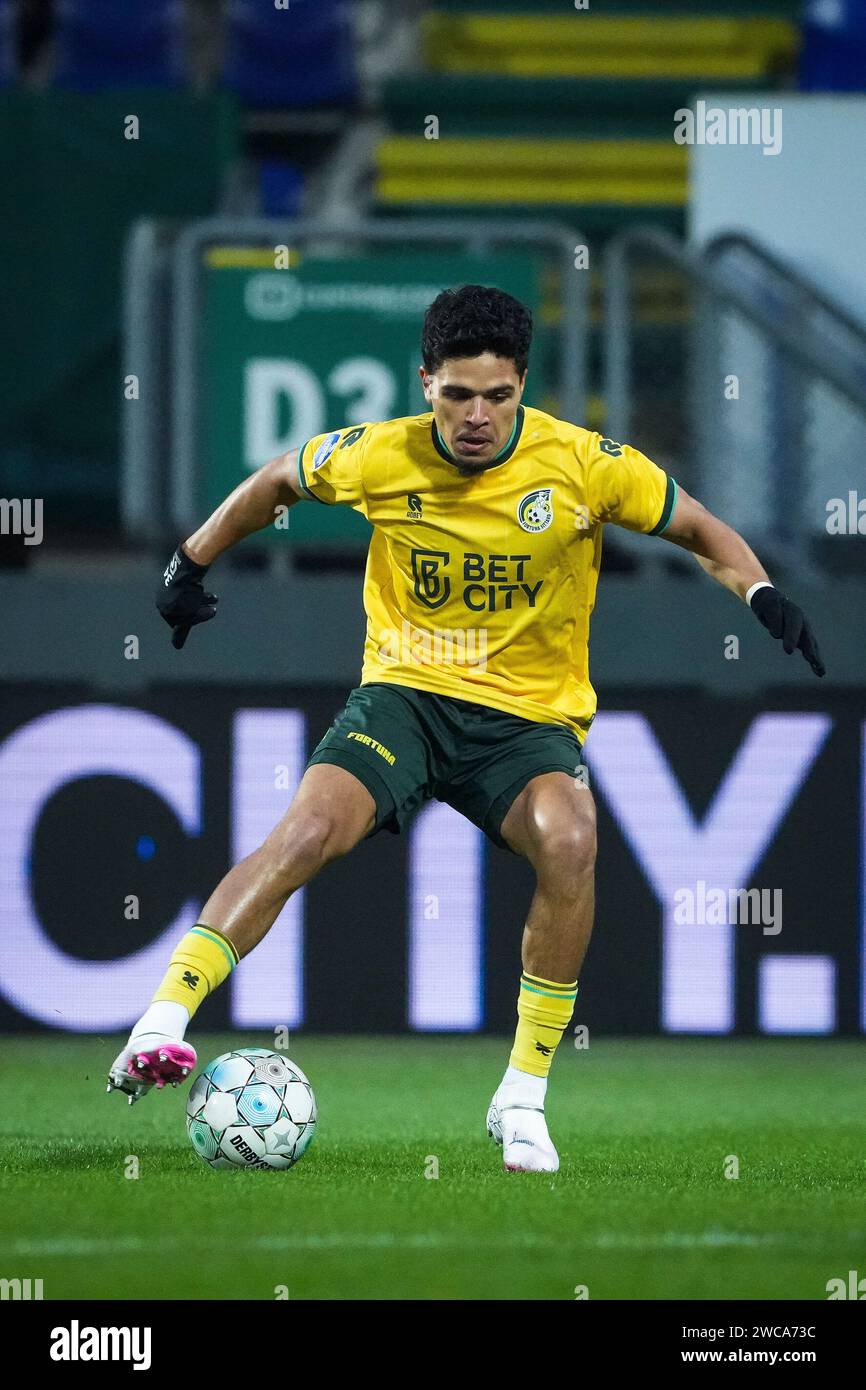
(504, 453)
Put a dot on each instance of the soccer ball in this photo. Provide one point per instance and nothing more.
(251, 1109)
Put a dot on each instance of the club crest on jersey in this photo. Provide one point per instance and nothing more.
(325, 449)
(535, 510)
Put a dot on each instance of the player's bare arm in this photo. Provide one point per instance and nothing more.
(254, 504)
(728, 559)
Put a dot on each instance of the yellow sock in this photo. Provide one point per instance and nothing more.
(543, 1013)
(201, 961)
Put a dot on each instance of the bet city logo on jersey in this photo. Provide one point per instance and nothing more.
(490, 583)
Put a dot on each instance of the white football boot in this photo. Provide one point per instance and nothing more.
(152, 1057)
(515, 1120)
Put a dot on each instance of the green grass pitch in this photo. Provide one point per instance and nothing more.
(641, 1207)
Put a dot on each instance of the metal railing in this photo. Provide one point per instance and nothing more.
(762, 365)
(787, 284)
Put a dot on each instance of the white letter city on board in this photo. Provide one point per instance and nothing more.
(675, 850)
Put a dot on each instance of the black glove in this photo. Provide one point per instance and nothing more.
(784, 619)
(181, 598)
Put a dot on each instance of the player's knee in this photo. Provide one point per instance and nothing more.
(305, 843)
(567, 850)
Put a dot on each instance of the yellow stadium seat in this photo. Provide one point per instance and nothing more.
(581, 45)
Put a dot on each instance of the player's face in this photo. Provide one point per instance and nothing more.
(474, 402)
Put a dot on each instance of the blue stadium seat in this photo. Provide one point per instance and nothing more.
(296, 57)
(118, 43)
(833, 57)
(281, 188)
(7, 41)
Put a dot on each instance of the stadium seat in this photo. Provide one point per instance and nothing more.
(105, 43)
(526, 45)
(299, 56)
(540, 174)
(8, 63)
(281, 188)
(834, 47)
(565, 114)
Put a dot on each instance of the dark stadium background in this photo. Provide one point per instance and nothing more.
(229, 129)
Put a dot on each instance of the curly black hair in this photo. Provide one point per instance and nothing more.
(475, 319)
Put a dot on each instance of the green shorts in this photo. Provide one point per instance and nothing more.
(408, 746)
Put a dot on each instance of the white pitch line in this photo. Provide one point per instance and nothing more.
(378, 1240)
(675, 1240)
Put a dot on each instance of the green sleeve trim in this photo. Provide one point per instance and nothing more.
(302, 477)
(671, 494)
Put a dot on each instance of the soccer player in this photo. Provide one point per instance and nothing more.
(487, 523)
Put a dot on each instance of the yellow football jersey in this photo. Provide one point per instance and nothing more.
(481, 587)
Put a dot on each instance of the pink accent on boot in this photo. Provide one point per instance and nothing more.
(172, 1062)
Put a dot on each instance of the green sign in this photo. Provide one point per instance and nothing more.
(287, 354)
